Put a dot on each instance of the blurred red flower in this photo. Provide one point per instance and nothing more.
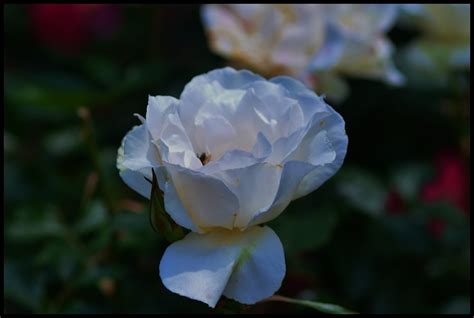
(394, 203)
(68, 27)
(451, 182)
(436, 226)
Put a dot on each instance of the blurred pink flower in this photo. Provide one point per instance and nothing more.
(69, 27)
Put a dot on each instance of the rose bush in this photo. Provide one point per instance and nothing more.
(230, 155)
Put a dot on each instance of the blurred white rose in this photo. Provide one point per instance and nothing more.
(230, 155)
(315, 43)
(444, 43)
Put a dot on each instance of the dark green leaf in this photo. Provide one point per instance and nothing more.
(362, 190)
(314, 229)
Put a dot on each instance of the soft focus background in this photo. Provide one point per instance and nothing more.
(389, 233)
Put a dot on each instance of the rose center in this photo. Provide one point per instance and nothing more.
(205, 158)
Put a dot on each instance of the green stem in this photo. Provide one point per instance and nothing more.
(89, 137)
(323, 307)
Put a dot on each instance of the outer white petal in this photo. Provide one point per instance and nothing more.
(255, 186)
(325, 147)
(292, 174)
(136, 181)
(309, 105)
(198, 201)
(246, 266)
(136, 156)
(260, 268)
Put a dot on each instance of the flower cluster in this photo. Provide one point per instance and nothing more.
(316, 43)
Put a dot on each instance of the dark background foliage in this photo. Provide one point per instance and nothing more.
(388, 234)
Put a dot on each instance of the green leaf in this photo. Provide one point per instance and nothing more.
(94, 217)
(443, 210)
(408, 180)
(458, 305)
(323, 307)
(59, 256)
(362, 190)
(31, 224)
(38, 93)
(314, 229)
(159, 219)
(62, 142)
(20, 287)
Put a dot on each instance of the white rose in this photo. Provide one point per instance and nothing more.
(302, 40)
(230, 155)
(445, 40)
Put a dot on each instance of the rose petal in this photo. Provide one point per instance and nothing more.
(246, 266)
